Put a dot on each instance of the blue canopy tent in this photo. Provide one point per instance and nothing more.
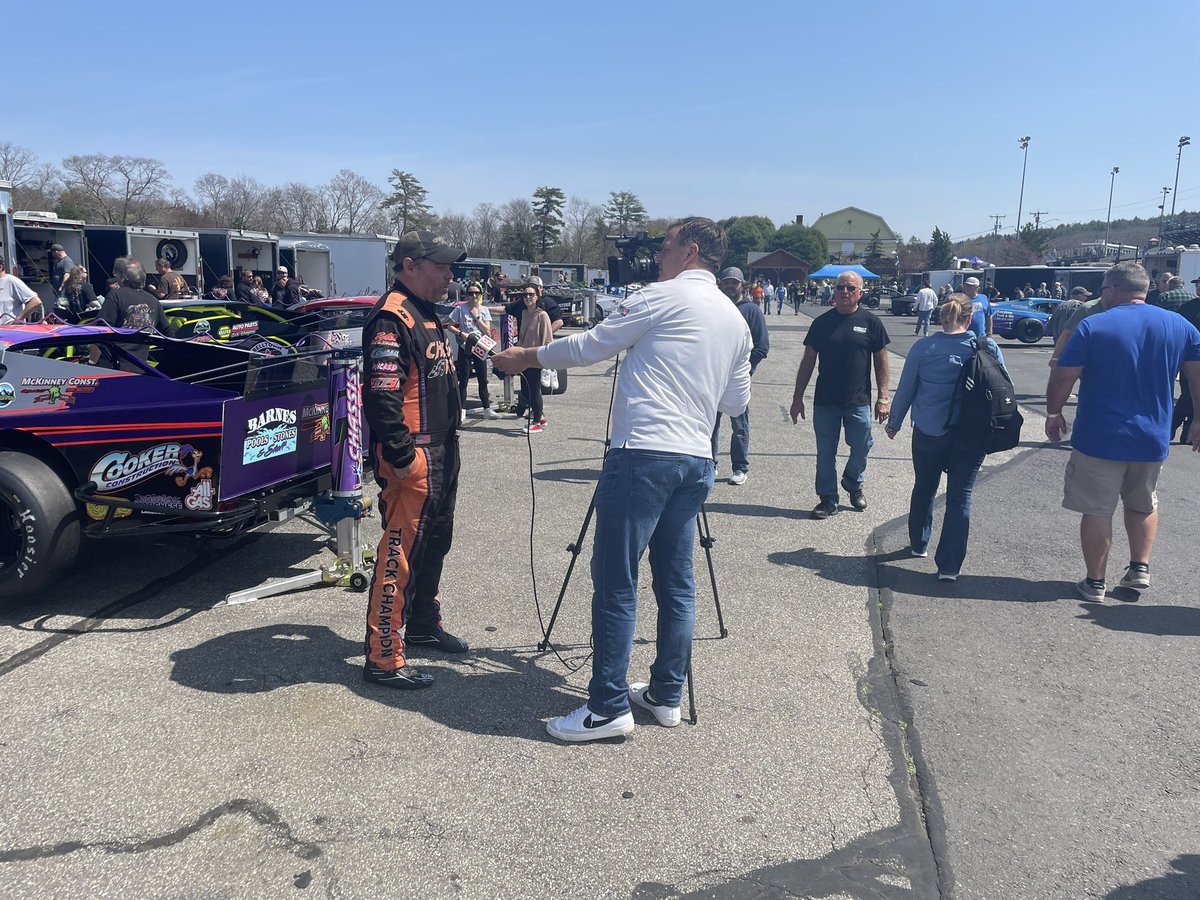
(832, 271)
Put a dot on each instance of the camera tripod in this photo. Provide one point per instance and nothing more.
(706, 541)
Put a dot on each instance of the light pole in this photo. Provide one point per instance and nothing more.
(1108, 220)
(1162, 208)
(1183, 142)
(1024, 142)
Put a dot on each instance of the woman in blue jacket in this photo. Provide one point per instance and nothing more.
(927, 386)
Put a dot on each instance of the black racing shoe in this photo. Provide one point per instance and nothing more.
(825, 509)
(857, 498)
(438, 639)
(406, 678)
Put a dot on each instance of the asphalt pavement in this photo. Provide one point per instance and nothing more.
(861, 731)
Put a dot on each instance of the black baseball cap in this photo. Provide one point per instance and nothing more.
(419, 245)
(57, 247)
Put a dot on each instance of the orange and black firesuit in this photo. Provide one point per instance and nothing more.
(411, 402)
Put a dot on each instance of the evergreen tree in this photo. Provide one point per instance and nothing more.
(624, 212)
(547, 210)
(941, 250)
(406, 204)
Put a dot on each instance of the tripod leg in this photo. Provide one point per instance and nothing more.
(574, 550)
(691, 695)
(707, 541)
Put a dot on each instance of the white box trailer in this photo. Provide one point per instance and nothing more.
(180, 247)
(359, 262)
(1179, 260)
(6, 232)
(34, 233)
(309, 261)
(227, 251)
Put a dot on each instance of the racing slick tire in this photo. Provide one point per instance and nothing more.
(1029, 331)
(173, 251)
(39, 526)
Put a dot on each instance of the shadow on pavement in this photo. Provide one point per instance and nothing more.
(1180, 621)
(754, 509)
(850, 570)
(571, 476)
(465, 697)
(1181, 884)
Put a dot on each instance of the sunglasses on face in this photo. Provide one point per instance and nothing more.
(474, 294)
(530, 294)
(846, 287)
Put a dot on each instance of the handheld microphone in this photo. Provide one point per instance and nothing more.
(479, 344)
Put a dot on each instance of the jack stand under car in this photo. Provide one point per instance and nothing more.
(343, 508)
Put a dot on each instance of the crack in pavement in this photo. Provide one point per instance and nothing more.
(260, 812)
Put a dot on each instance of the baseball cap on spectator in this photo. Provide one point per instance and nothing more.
(733, 272)
(419, 245)
(282, 270)
(1081, 292)
(535, 280)
(973, 282)
(56, 247)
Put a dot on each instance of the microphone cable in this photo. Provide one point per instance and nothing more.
(567, 664)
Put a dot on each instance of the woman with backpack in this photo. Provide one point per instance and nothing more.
(928, 386)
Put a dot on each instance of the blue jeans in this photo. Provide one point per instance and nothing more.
(739, 444)
(645, 498)
(827, 423)
(923, 317)
(931, 456)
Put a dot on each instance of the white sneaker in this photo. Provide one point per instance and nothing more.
(489, 413)
(462, 417)
(668, 716)
(737, 478)
(584, 725)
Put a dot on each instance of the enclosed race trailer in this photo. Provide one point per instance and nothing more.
(34, 233)
(6, 232)
(358, 263)
(308, 261)
(226, 251)
(180, 247)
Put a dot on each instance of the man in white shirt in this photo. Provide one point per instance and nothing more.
(17, 300)
(688, 357)
(927, 302)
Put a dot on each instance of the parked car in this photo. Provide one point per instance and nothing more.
(1025, 320)
(899, 303)
(207, 439)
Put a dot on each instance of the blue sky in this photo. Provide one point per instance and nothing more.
(910, 110)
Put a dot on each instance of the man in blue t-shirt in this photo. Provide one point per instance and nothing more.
(981, 309)
(1127, 359)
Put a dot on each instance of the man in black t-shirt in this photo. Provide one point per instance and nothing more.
(244, 292)
(130, 306)
(284, 292)
(847, 341)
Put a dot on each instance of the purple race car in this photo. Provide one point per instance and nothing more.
(202, 438)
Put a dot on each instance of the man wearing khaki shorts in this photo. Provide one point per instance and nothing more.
(1126, 360)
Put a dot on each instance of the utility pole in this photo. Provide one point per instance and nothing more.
(1037, 217)
(1162, 208)
(995, 232)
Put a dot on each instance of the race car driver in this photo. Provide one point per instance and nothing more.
(411, 401)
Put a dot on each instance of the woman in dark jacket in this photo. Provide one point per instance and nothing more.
(77, 297)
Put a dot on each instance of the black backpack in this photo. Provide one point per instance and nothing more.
(989, 420)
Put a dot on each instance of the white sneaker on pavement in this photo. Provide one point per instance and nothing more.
(737, 478)
(489, 413)
(668, 716)
(584, 725)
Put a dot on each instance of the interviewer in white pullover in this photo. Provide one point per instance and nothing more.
(688, 358)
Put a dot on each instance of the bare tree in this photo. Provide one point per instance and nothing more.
(17, 164)
(486, 226)
(458, 229)
(580, 218)
(122, 190)
(293, 207)
(351, 201)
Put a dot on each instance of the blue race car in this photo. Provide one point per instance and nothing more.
(1025, 320)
